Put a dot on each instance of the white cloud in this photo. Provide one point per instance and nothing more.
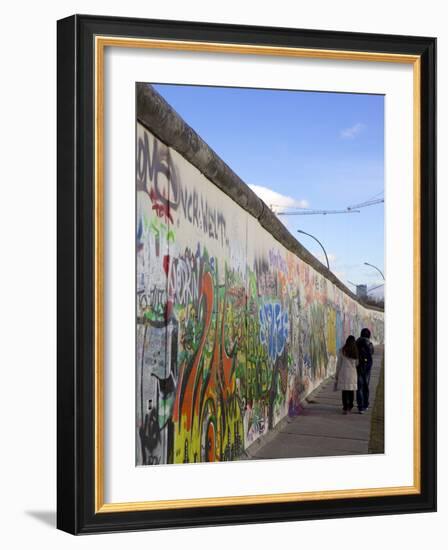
(276, 200)
(353, 131)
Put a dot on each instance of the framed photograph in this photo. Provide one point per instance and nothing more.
(246, 274)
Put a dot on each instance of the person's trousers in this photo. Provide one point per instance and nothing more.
(362, 394)
(348, 397)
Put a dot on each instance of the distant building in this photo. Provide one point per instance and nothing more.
(361, 291)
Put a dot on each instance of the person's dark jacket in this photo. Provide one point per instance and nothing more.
(365, 352)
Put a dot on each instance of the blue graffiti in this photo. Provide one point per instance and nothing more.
(274, 328)
(339, 329)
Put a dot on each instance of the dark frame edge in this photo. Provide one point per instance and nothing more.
(66, 516)
(75, 486)
(428, 296)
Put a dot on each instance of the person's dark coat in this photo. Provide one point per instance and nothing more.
(365, 352)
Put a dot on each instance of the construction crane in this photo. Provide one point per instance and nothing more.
(364, 204)
(309, 212)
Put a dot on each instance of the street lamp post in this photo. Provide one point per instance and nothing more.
(321, 245)
(374, 267)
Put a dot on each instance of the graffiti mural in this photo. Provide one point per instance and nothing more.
(233, 330)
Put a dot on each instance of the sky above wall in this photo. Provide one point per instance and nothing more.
(303, 149)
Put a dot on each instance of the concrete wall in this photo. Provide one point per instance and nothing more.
(233, 329)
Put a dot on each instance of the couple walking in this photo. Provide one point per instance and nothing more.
(353, 368)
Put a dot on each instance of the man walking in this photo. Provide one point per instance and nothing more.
(365, 352)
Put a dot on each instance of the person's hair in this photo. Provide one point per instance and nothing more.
(365, 333)
(350, 348)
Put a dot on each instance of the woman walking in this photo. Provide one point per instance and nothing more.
(346, 379)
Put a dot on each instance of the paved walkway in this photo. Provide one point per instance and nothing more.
(322, 429)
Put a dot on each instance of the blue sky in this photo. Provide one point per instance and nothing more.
(318, 150)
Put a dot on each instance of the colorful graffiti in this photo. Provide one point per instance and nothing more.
(233, 330)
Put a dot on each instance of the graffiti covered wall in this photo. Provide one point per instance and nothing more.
(233, 329)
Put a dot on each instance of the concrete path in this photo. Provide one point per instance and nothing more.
(322, 429)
